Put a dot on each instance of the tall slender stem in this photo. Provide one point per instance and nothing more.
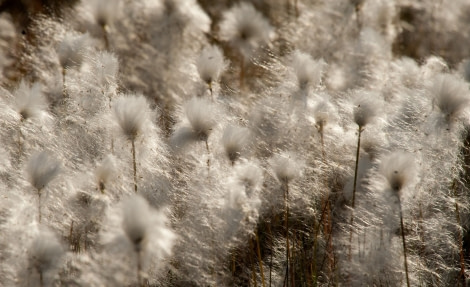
(41, 278)
(354, 190)
(242, 72)
(460, 237)
(139, 268)
(258, 249)
(208, 157)
(105, 36)
(134, 165)
(64, 90)
(286, 197)
(404, 243)
(39, 205)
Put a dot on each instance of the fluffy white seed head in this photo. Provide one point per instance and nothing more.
(45, 252)
(210, 64)
(308, 71)
(249, 175)
(399, 169)
(29, 100)
(136, 221)
(286, 167)
(131, 113)
(201, 116)
(451, 96)
(104, 11)
(145, 227)
(71, 49)
(234, 141)
(323, 113)
(245, 28)
(105, 68)
(366, 109)
(41, 169)
(105, 172)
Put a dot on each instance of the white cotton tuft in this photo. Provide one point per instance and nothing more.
(234, 141)
(201, 116)
(29, 100)
(145, 227)
(106, 172)
(366, 109)
(136, 221)
(41, 169)
(451, 96)
(45, 253)
(104, 11)
(286, 167)
(71, 49)
(308, 71)
(323, 113)
(210, 64)
(245, 28)
(249, 175)
(399, 169)
(131, 112)
(105, 68)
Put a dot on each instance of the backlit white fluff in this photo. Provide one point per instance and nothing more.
(245, 28)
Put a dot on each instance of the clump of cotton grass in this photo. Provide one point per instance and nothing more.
(29, 101)
(246, 30)
(210, 65)
(399, 171)
(451, 96)
(308, 71)
(366, 109)
(131, 113)
(286, 168)
(71, 51)
(104, 13)
(40, 170)
(323, 112)
(105, 172)
(234, 141)
(104, 72)
(136, 229)
(45, 255)
(249, 175)
(201, 119)
(242, 204)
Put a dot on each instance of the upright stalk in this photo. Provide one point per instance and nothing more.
(286, 197)
(404, 243)
(41, 278)
(260, 262)
(208, 157)
(139, 269)
(360, 129)
(134, 165)
(242, 72)
(39, 205)
(460, 237)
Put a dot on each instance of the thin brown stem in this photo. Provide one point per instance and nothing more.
(139, 269)
(286, 198)
(354, 190)
(460, 236)
(260, 261)
(404, 243)
(41, 278)
(39, 205)
(105, 36)
(134, 165)
(242, 72)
